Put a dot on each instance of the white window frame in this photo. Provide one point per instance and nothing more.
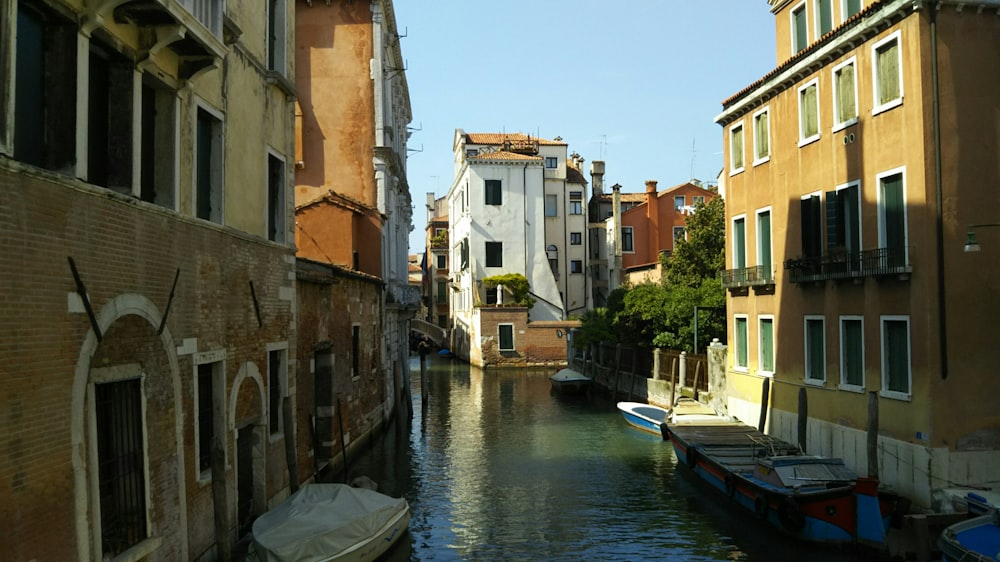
(881, 210)
(805, 358)
(733, 169)
(843, 355)
(837, 126)
(907, 396)
(761, 318)
(513, 337)
(218, 361)
(757, 215)
(732, 229)
(757, 158)
(283, 383)
(683, 231)
(631, 237)
(897, 101)
(791, 22)
(803, 140)
(816, 19)
(683, 201)
(218, 115)
(745, 343)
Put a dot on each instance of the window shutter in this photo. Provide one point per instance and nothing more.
(888, 72)
(833, 232)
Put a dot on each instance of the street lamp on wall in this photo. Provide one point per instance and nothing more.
(971, 244)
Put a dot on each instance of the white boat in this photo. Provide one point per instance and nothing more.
(646, 417)
(325, 522)
(568, 381)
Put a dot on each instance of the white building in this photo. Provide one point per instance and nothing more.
(516, 205)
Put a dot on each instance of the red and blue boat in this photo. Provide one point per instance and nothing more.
(812, 498)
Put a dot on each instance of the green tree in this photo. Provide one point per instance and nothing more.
(516, 284)
(703, 254)
(595, 327)
(643, 315)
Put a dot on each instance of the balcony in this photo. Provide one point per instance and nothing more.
(403, 296)
(191, 28)
(756, 276)
(878, 263)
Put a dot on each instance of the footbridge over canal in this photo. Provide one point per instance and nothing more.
(435, 333)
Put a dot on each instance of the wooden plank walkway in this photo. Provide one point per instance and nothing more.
(734, 445)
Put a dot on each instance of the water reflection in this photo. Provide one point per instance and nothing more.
(497, 468)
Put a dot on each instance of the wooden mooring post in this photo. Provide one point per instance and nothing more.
(673, 380)
(803, 418)
(764, 393)
(618, 368)
(872, 434)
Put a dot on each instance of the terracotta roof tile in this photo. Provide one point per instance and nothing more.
(504, 155)
(573, 175)
(499, 138)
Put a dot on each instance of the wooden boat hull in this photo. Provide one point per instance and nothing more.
(645, 417)
(845, 514)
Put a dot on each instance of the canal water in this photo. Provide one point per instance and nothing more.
(495, 467)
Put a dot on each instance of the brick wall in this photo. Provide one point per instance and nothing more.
(535, 343)
(127, 254)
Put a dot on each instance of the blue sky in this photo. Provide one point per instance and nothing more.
(635, 83)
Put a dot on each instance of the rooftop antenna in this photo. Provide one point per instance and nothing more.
(693, 153)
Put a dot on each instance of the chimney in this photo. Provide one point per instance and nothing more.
(614, 280)
(652, 218)
(597, 176)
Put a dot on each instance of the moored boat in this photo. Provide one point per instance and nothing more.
(568, 381)
(813, 498)
(646, 417)
(972, 540)
(330, 522)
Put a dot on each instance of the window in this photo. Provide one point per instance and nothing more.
(551, 162)
(627, 240)
(576, 202)
(845, 95)
(494, 254)
(463, 253)
(551, 206)
(852, 353)
(679, 202)
(471, 152)
(157, 183)
(766, 345)
(824, 17)
(742, 342)
(491, 295)
(809, 112)
(323, 406)
(815, 361)
(680, 233)
(800, 38)
(206, 417)
(276, 200)
(276, 13)
(764, 241)
(442, 261)
(208, 167)
(739, 242)
(109, 119)
(892, 217)
(761, 137)
(850, 7)
(812, 226)
(576, 266)
(843, 220)
(494, 195)
(575, 238)
(736, 149)
(277, 381)
(698, 200)
(121, 460)
(896, 356)
(887, 74)
(506, 333)
(45, 89)
(355, 351)
(552, 254)
(442, 292)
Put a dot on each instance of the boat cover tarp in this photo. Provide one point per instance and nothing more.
(569, 375)
(320, 520)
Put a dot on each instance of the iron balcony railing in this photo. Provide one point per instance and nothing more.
(880, 262)
(754, 276)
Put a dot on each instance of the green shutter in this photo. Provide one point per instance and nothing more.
(854, 359)
(833, 232)
(816, 342)
(809, 112)
(737, 148)
(846, 104)
(887, 59)
(739, 244)
(741, 342)
(767, 345)
(897, 356)
(801, 33)
(764, 236)
(853, 7)
(893, 212)
(849, 209)
(761, 141)
(825, 17)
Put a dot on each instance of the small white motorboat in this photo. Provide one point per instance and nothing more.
(326, 522)
(568, 381)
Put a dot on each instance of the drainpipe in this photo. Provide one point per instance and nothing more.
(936, 110)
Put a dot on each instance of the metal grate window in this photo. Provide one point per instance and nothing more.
(121, 462)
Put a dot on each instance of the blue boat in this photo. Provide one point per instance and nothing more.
(644, 416)
(972, 540)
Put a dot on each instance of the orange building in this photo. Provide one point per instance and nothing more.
(650, 228)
